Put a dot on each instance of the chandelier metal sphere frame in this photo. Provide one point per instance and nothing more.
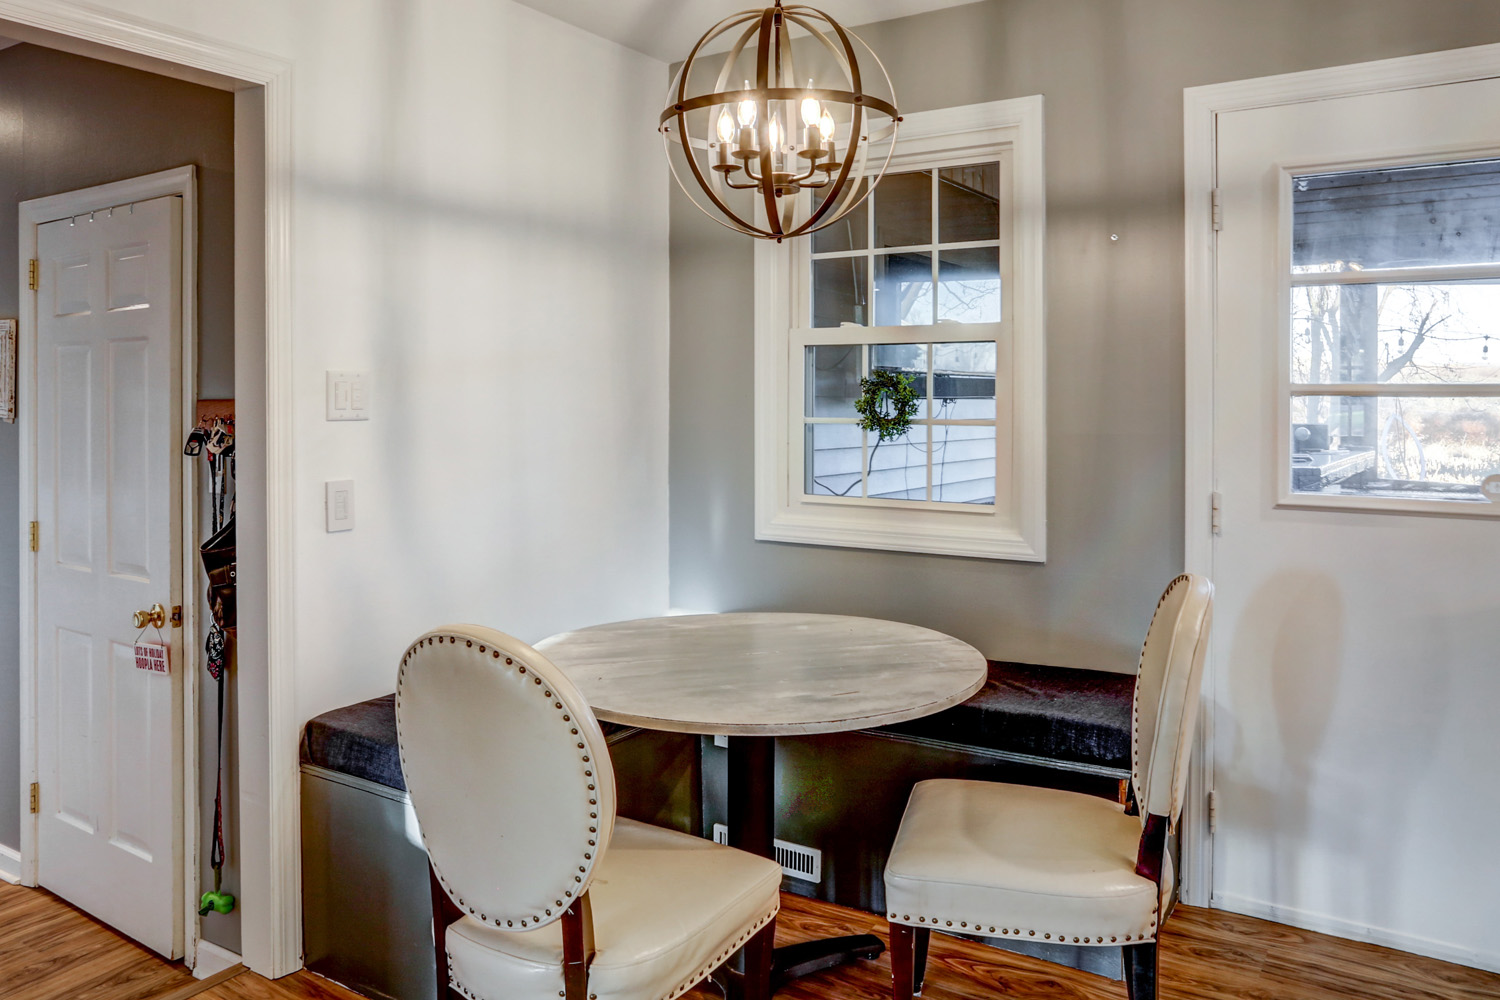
(774, 159)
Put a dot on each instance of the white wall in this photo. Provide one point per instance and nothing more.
(509, 293)
(509, 296)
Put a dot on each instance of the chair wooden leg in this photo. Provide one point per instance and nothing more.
(903, 960)
(1140, 971)
(760, 953)
(444, 913)
(919, 960)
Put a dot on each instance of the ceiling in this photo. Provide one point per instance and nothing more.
(667, 29)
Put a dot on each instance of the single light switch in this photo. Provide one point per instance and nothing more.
(348, 395)
(339, 498)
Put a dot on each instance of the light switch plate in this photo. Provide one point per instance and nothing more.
(339, 498)
(348, 395)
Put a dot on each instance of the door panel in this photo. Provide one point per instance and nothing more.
(1355, 651)
(109, 740)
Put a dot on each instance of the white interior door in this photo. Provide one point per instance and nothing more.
(1358, 604)
(109, 744)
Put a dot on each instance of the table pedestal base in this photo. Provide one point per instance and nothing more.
(752, 818)
(797, 960)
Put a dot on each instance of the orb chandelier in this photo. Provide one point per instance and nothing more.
(779, 157)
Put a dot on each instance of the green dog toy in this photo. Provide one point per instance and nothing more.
(219, 902)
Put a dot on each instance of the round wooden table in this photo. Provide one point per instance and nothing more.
(755, 676)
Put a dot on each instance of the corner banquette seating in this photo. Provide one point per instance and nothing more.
(1041, 864)
(538, 890)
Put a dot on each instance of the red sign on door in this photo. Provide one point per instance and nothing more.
(152, 656)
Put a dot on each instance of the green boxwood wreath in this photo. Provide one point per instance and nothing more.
(886, 403)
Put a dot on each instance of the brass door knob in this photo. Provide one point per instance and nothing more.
(155, 615)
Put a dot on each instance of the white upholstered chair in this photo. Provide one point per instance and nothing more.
(539, 891)
(1044, 865)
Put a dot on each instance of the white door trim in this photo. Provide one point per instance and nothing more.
(181, 181)
(271, 923)
(1201, 108)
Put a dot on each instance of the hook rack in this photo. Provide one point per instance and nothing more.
(210, 410)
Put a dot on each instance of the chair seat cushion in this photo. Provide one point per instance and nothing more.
(1015, 861)
(668, 909)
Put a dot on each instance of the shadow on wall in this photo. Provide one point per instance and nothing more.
(1285, 670)
(514, 472)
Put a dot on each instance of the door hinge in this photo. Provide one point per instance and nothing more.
(1215, 513)
(36, 536)
(1213, 812)
(1218, 211)
(36, 798)
(176, 616)
(34, 274)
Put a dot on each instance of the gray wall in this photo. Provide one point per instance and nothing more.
(1112, 72)
(67, 122)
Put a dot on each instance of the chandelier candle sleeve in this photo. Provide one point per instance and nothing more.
(739, 153)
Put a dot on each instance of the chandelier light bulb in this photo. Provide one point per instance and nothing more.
(811, 110)
(826, 126)
(747, 111)
(726, 126)
(775, 132)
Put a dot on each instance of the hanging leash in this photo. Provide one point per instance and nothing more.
(216, 443)
(217, 900)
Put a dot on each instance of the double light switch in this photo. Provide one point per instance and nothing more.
(348, 395)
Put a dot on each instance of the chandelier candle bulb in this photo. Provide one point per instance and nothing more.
(812, 113)
(774, 181)
(826, 128)
(726, 136)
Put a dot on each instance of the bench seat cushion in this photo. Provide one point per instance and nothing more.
(360, 740)
(1064, 714)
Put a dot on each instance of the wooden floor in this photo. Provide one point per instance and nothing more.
(49, 951)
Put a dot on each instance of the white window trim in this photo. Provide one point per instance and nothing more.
(1017, 531)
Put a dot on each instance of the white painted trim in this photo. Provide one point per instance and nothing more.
(271, 852)
(213, 960)
(1201, 108)
(10, 865)
(1322, 923)
(26, 570)
(180, 182)
(1015, 533)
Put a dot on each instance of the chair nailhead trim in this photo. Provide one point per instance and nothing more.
(588, 856)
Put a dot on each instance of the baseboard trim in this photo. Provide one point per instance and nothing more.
(1338, 927)
(212, 960)
(10, 865)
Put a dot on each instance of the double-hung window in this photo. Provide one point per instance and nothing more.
(936, 280)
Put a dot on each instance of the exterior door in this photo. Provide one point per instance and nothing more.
(1356, 421)
(109, 734)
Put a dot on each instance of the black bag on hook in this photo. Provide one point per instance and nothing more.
(218, 563)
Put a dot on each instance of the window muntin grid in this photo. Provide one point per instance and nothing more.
(923, 249)
(1392, 375)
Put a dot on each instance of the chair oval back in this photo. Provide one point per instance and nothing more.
(1167, 693)
(508, 773)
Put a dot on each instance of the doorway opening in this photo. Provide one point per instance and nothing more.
(243, 316)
